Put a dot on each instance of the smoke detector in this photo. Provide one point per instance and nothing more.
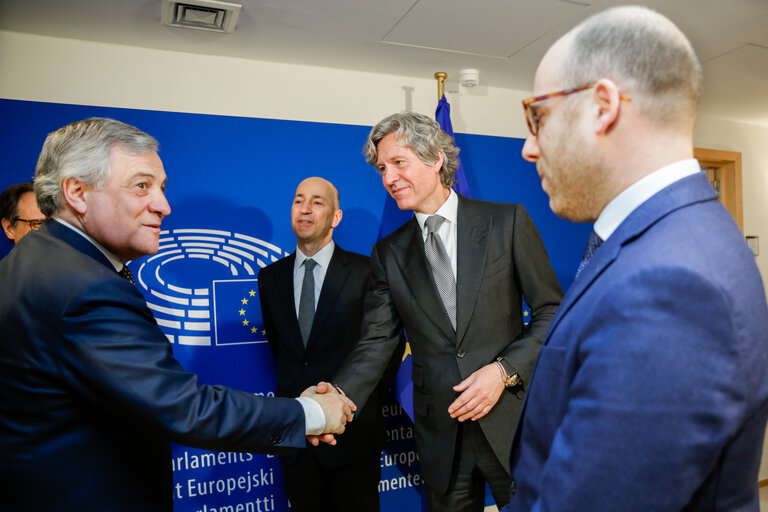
(200, 14)
(469, 77)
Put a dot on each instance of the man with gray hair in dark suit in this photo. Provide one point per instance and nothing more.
(90, 395)
(454, 277)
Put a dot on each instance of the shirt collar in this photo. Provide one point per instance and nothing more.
(114, 260)
(636, 194)
(321, 257)
(449, 210)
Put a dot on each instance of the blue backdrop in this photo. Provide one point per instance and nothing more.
(230, 185)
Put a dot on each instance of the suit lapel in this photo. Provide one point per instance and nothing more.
(471, 253)
(408, 250)
(689, 190)
(286, 305)
(76, 240)
(335, 278)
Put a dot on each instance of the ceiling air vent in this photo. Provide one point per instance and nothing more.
(201, 14)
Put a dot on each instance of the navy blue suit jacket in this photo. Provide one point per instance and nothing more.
(651, 389)
(90, 394)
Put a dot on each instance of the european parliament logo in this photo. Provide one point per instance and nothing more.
(202, 287)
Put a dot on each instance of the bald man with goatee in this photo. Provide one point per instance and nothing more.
(312, 304)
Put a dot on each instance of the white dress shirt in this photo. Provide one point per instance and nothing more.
(639, 192)
(323, 259)
(448, 229)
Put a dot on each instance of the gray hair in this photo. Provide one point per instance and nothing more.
(423, 135)
(82, 150)
(645, 54)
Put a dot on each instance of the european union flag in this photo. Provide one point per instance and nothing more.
(443, 118)
(237, 312)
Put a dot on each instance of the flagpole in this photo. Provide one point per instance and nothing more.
(440, 76)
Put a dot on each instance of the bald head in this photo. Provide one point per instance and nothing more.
(314, 214)
(626, 85)
(644, 53)
(321, 184)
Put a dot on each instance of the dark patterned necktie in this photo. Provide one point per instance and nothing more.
(307, 300)
(442, 271)
(126, 273)
(593, 243)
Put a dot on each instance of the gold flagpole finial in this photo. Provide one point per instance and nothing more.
(440, 76)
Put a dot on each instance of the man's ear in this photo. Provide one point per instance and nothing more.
(439, 163)
(336, 218)
(8, 229)
(608, 102)
(76, 194)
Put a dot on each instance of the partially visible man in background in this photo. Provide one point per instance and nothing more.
(312, 305)
(90, 394)
(651, 389)
(19, 213)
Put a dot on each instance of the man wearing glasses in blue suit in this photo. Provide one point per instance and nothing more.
(651, 389)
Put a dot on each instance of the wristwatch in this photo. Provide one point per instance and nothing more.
(511, 379)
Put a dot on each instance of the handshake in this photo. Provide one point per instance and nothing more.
(337, 408)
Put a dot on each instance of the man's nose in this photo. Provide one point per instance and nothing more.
(531, 150)
(160, 205)
(389, 176)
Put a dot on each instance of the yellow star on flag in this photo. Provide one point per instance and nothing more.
(254, 330)
(242, 312)
(245, 322)
(407, 350)
(252, 293)
(244, 301)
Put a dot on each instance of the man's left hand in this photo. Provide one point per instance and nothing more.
(479, 393)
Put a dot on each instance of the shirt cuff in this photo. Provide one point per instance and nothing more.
(314, 418)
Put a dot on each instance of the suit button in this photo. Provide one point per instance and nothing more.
(461, 354)
(274, 439)
(512, 487)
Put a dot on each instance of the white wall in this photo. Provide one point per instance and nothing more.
(56, 70)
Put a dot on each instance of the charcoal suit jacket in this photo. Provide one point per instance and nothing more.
(500, 260)
(335, 331)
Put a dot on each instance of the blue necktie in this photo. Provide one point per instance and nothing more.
(593, 243)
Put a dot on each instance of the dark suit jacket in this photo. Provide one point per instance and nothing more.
(335, 331)
(500, 258)
(651, 391)
(90, 394)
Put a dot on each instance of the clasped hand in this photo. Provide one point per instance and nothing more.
(337, 409)
(479, 393)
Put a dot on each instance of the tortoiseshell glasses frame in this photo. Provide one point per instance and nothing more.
(533, 120)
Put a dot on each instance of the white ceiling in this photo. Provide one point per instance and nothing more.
(503, 39)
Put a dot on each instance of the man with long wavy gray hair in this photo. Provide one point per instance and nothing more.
(651, 389)
(90, 394)
(454, 277)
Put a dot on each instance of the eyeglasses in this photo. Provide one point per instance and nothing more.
(33, 223)
(533, 119)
